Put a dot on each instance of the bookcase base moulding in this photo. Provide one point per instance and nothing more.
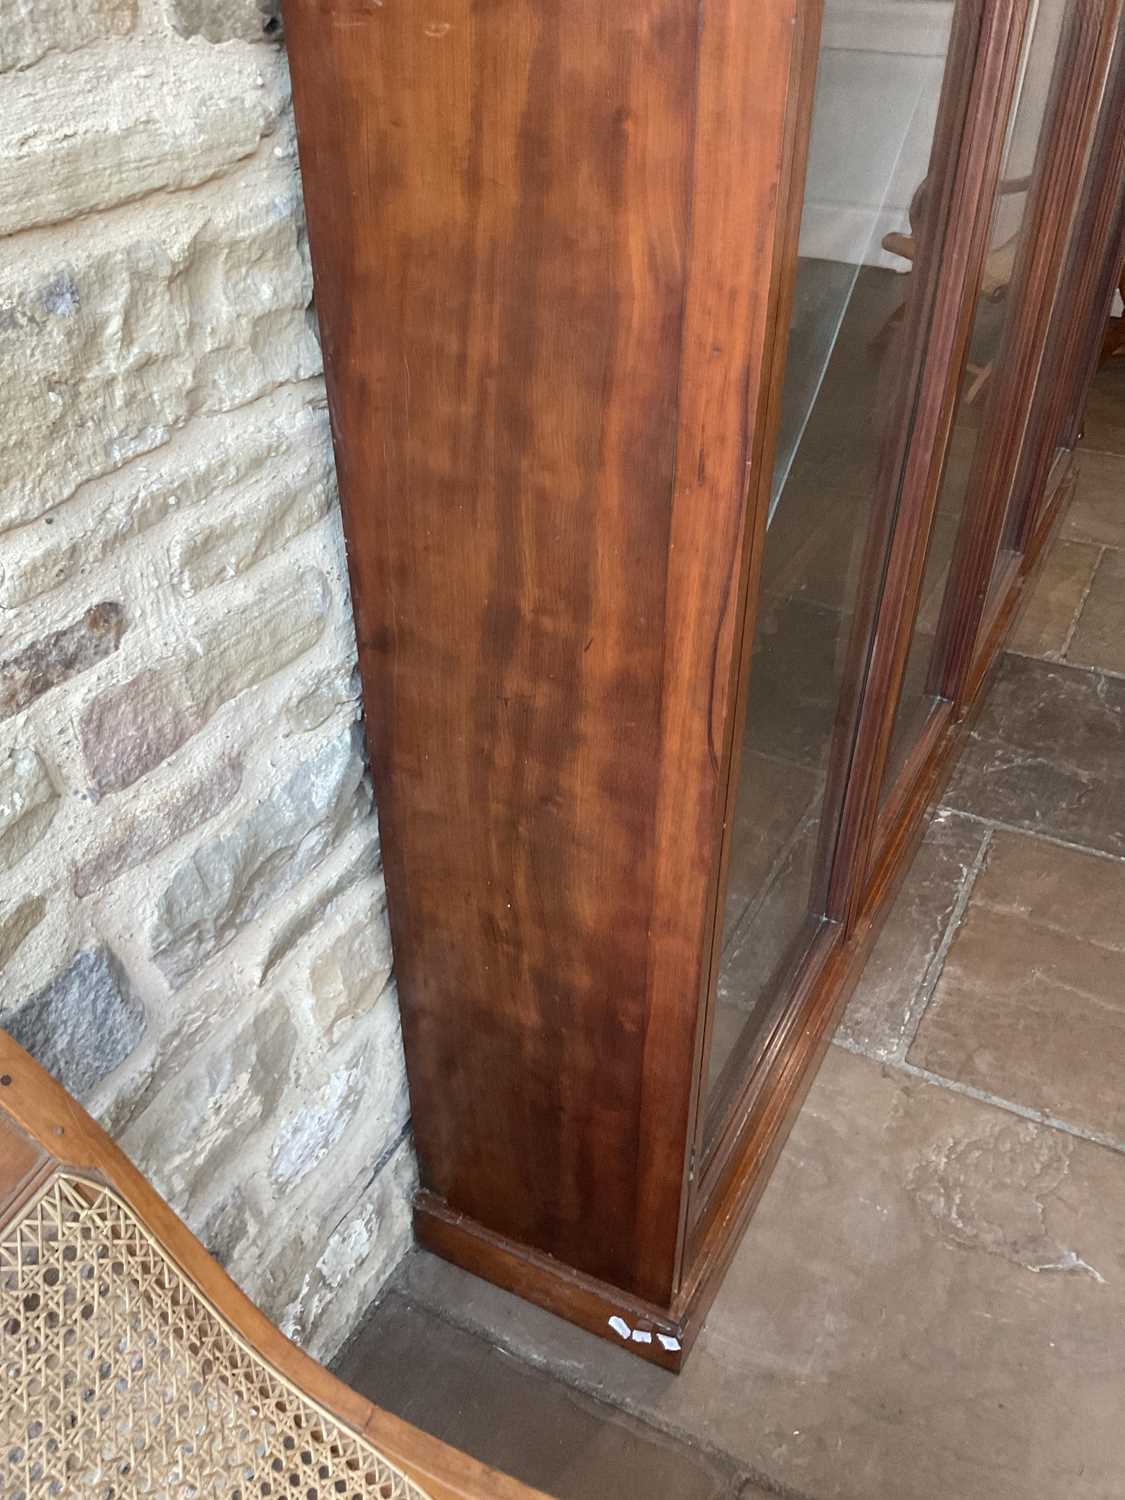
(704, 388)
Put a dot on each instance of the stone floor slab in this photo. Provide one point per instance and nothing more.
(461, 1388)
(882, 1006)
(1030, 1005)
(1099, 637)
(1047, 754)
(1105, 410)
(1097, 512)
(927, 1304)
(1044, 626)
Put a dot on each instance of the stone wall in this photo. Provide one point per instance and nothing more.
(192, 914)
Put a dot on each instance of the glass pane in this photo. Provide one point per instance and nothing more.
(983, 378)
(868, 238)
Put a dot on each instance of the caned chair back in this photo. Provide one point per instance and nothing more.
(133, 1366)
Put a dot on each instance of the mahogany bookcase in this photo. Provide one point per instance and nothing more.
(704, 378)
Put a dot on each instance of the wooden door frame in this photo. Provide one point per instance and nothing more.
(809, 18)
(715, 561)
(972, 570)
(993, 475)
(875, 846)
(990, 70)
(1085, 291)
(1002, 39)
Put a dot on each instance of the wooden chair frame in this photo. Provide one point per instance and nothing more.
(54, 1134)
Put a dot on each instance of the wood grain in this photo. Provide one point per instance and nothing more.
(546, 280)
(599, 1308)
(22, 1164)
(498, 201)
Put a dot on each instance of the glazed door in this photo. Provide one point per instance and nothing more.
(990, 467)
(945, 158)
(1083, 303)
(887, 125)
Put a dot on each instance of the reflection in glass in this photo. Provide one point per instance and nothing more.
(983, 377)
(865, 249)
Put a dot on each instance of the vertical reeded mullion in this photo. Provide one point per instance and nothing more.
(993, 72)
(1036, 266)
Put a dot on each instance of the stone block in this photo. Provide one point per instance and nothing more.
(1099, 639)
(18, 924)
(244, 647)
(32, 28)
(372, 1072)
(81, 1025)
(130, 728)
(318, 904)
(198, 306)
(88, 131)
(227, 20)
(226, 547)
(232, 877)
(55, 658)
(352, 969)
(318, 1287)
(1046, 622)
(1030, 1005)
(248, 453)
(885, 1004)
(207, 1103)
(314, 703)
(1045, 754)
(140, 836)
(1096, 513)
(28, 802)
(314, 1128)
(452, 1383)
(226, 1228)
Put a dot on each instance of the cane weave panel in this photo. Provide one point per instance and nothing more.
(119, 1379)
